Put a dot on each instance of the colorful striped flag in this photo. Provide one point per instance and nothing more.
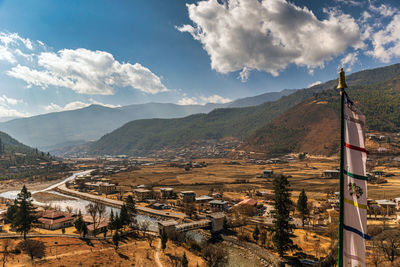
(355, 186)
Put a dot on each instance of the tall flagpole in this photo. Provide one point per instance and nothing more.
(342, 85)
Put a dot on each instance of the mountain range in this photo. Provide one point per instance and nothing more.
(285, 125)
(59, 129)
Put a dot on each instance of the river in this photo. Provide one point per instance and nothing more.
(75, 203)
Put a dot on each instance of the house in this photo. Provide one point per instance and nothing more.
(52, 219)
(378, 172)
(101, 227)
(166, 192)
(388, 205)
(142, 194)
(106, 188)
(268, 173)
(218, 205)
(167, 226)
(188, 196)
(329, 174)
(202, 200)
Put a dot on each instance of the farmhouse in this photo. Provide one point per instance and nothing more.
(52, 219)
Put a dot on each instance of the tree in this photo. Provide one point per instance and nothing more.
(302, 206)
(7, 247)
(96, 211)
(111, 223)
(12, 211)
(25, 215)
(256, 233)
(130, 205)
(34, 248)
(215, 255)
(79, 222)
(124, 216)
(116, 239)
(164, 239)
(63, 231)
(282, 222)
(184, 260)
(389, 243)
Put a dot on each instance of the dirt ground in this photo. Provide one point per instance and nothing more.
(76, 252)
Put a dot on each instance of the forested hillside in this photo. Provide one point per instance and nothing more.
(141, 136)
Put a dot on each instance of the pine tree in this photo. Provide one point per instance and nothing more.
(111, 224)
(184, 261)
(164, 239)
(282, 221)
(25, 215)
(79, 223)
(12, 211)
(123, 216)
(256, 233)
(130, 205)
(302, 206)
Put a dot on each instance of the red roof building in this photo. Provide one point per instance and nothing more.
(52, 219)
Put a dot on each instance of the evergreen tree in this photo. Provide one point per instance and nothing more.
(12, 211)
(111, 224)
(302, 206)
(130, 205)
(282, 221)
(116, 238)
(79, 223)
(256, 233)
(164, 239)
(25, 215)
(124, 216)
(84, 229)
(184, 261)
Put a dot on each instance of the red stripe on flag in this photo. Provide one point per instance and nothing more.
(356, 148)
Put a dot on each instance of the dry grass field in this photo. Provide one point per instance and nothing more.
(221, 176)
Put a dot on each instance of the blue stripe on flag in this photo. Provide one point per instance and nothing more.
(351, 229)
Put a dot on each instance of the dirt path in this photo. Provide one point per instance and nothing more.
(157, 255)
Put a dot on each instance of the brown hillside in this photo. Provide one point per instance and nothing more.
(311, 127)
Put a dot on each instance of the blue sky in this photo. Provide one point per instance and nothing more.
(60, 55)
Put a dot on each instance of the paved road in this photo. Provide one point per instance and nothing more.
(116, 203)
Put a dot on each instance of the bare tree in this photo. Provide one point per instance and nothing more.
(389, 243)
(7, 247)
(143, 227)
(96, 211)
(34, 248)
(69, 209)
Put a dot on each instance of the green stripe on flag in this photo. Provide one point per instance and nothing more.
(355, 176)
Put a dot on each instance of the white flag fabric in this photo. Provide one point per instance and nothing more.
(355, 187)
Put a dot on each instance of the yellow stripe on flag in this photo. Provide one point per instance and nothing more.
(358, 205)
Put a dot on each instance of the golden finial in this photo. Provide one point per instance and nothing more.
(342, 80)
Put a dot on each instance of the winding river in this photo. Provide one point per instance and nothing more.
(74, 202)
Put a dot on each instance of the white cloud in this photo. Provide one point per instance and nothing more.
(268, 35)
(349, 60)
(9, 39)
(202, 100)
(383, 10)
(188, 101)
(82, 70)
(215, 99)
(88, 72)
(386, 42)
(9, 101)
(75, 105)
(350, 2)
(314, 83)
(7, 111)
(245, 74)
